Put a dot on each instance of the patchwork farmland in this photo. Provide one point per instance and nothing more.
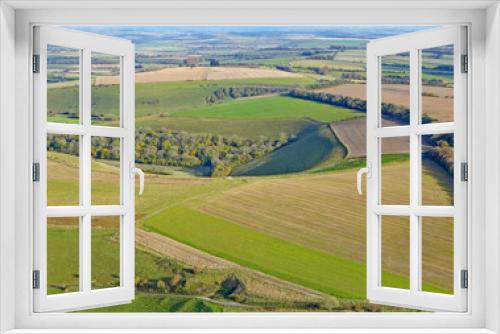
(250, 202)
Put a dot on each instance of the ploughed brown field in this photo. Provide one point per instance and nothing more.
(353, 134)
(437, 101)
(200, 74)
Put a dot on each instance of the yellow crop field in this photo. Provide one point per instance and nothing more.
(200, 74)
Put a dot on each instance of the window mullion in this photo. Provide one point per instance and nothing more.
(85, 176)
(414, 171)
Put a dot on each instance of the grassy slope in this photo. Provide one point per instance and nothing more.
(164, 303)
(314, 146)
(104, 267)
(275, 107)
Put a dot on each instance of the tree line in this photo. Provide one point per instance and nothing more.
(223, 93)
(397, 113)
(442, 145)
(217, 154)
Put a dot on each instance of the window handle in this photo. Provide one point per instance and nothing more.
(359, 177)
(138, 171)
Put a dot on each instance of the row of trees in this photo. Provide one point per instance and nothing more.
(389, 110)
(218, 154)
(442, 145)
(223, 93)
(443, 155)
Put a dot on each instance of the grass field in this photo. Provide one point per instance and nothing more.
(105, 267)
(155, 98)
(275, 107)
(251, 118)
(283, 259)
(244, 128)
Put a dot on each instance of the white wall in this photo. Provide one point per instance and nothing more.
(7, 176)
(492, 211)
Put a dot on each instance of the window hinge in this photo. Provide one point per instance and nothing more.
(36, 63)
(464, 279)
(36, 279)
(465, 63)
(464, 171)
(36, 172)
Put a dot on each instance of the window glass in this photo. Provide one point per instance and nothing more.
(395, 165)
(437, 70)
(395, 89)
(395, 251)
(63, 84)
(106, 82)
(105, 252)
(63, 260)
(437, 254)
(105, 171)
(437, 169)
(63, 170)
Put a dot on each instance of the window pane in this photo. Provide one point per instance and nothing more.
(105, 171)
(437, 254)
(105, 252)
(63, 170)
(395, 170)
(105, 89)
(63, 84)
(437, 84)
(395, 89)
(63, 258)
(395, 251)
(437, 169)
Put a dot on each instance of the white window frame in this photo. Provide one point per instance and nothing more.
(86, 44)
(413, 43)
(483, 314)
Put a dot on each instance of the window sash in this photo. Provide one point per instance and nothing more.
(414, 297)
(86, 297)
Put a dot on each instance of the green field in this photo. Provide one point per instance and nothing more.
(275, 107)
(244, 128)
(339, 277)
(315, 146)
(105, 255)
(156, 98)
(251, 118)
